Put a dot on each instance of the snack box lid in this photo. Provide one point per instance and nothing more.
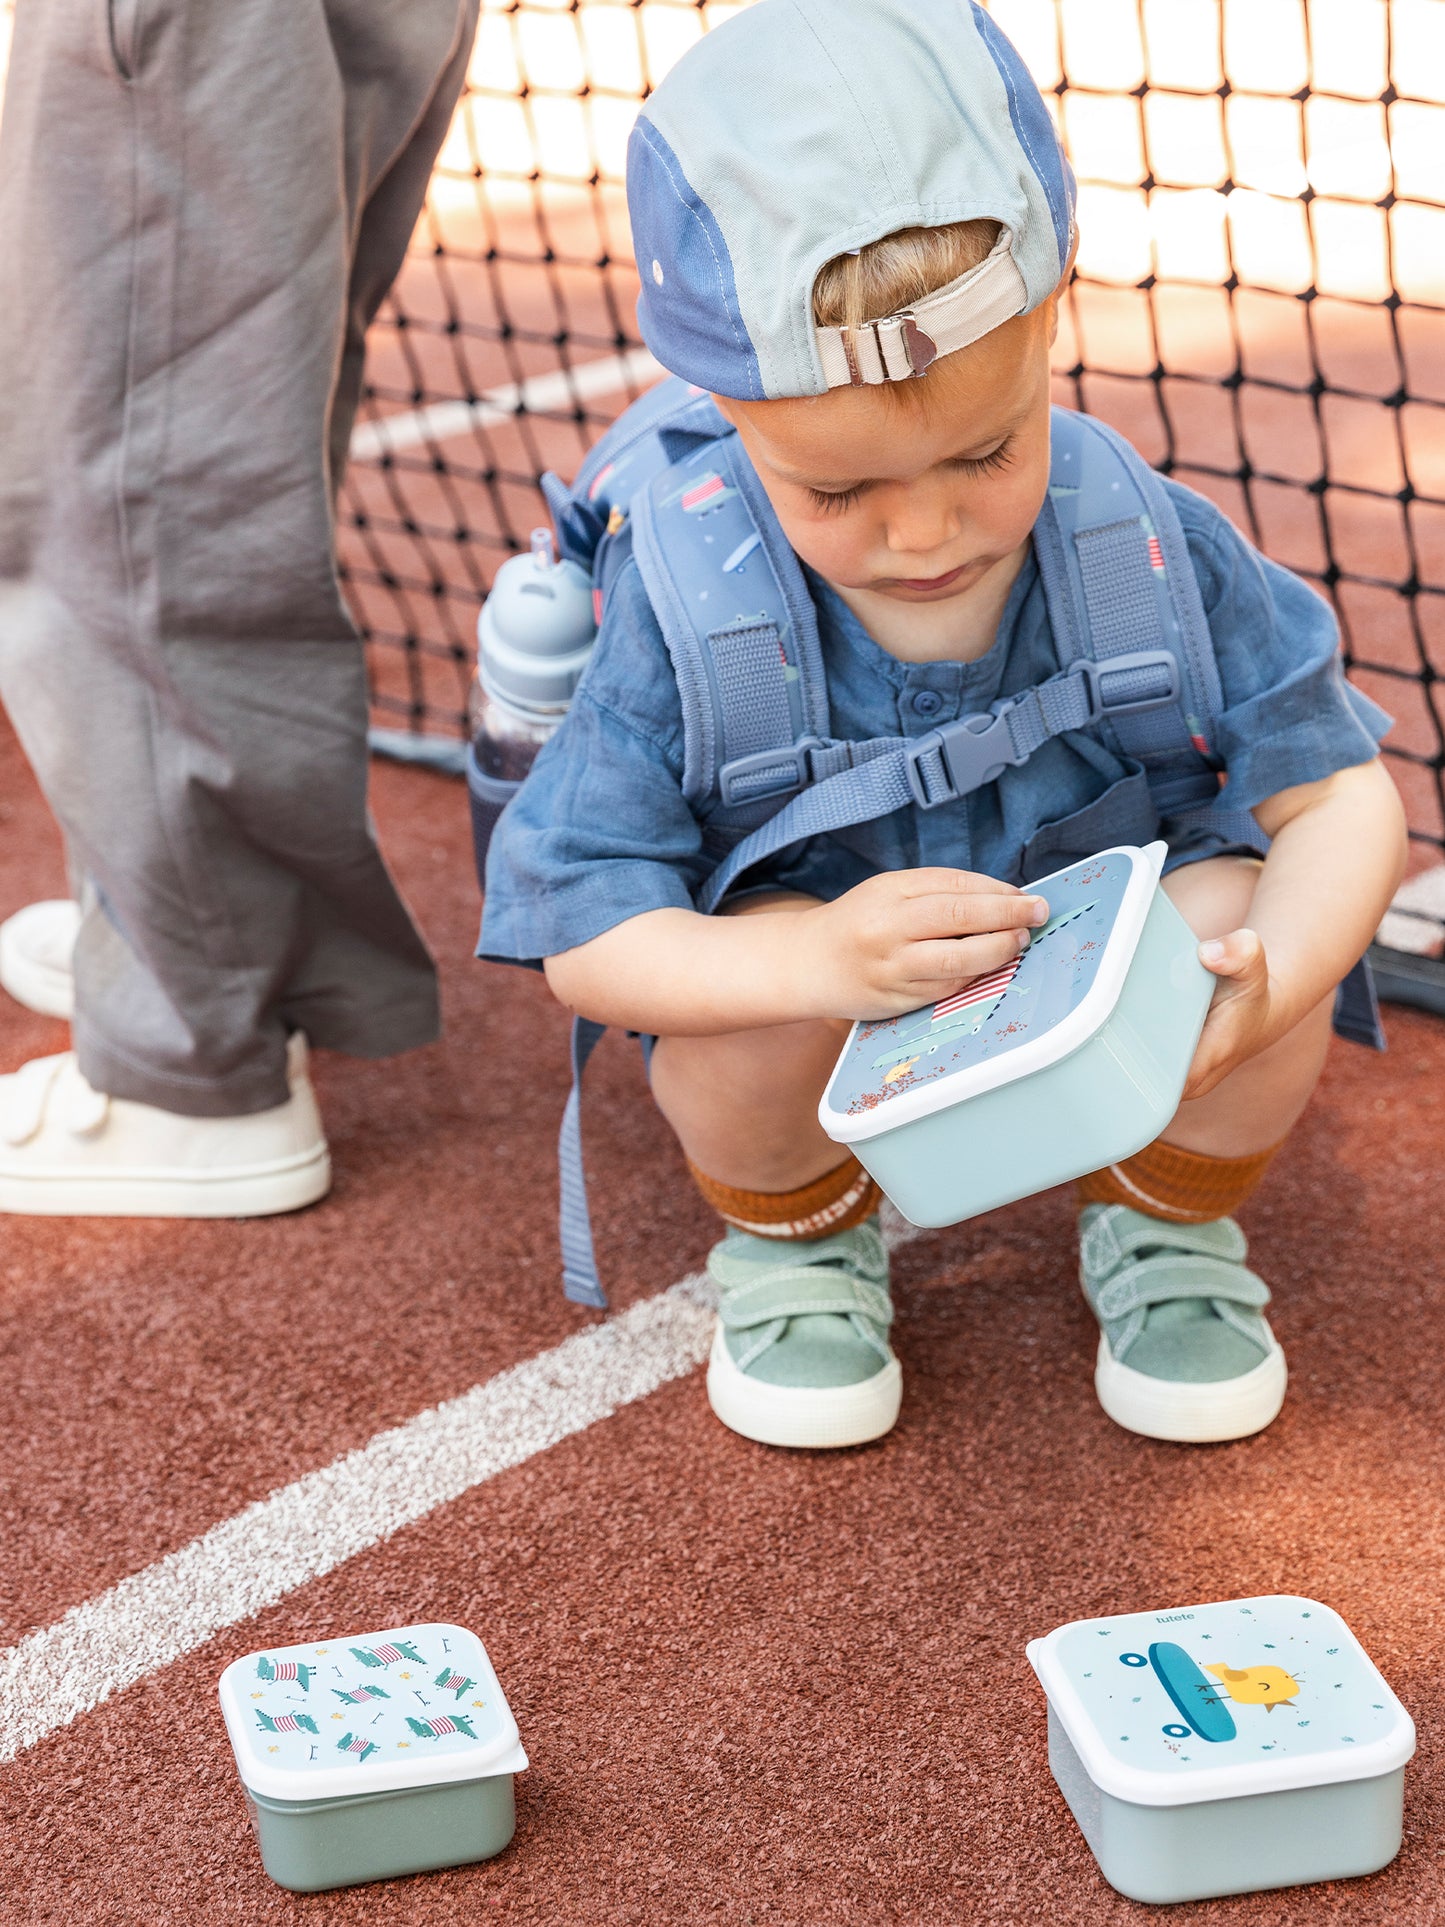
(1212, 1702)
(1032, 1013)
(368, 1713)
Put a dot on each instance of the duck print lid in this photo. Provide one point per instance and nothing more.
(1032, 1013)
(1212, 1702)
(369, 1712)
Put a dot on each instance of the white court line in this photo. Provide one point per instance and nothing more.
(1423, 893)
(248, 1562)
(305, 1529)
(391, 434)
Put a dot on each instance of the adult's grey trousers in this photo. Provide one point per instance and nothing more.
(202, 203)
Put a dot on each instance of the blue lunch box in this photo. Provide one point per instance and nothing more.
(1066, 1060)
(1225, 1748)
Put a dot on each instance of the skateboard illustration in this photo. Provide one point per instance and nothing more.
(1200, 1701)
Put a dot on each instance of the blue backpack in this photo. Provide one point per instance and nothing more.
(670, 486)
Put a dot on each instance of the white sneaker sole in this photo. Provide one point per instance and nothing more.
(1156, 1408)
(242, 1191)
(37, 985)
(802, 1415)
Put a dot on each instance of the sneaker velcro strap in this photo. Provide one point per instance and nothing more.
(1163, 1279)
(27, 1092)
(1116, 1233)
(743, 1257)
(798, 1291)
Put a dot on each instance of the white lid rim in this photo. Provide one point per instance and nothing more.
(312, 1788)
(1139, 1787)
(513, 1762)
(1069, 1035)
(323, 1785)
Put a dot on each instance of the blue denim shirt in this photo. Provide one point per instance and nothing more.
(600, 831)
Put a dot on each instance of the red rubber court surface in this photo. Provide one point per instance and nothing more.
(755, 1686)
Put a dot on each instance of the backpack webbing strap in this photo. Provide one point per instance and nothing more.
(752, 690)
(579, 1260)
(741, 631)
(805, 648)
(1357, 1008)
(1118, 579)
(947, 763)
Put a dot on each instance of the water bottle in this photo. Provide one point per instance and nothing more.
(534, 636)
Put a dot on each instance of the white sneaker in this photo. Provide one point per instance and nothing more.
(36, 946)
(67, 1150)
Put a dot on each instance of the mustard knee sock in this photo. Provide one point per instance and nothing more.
(1184, 1187)
(840, 1199)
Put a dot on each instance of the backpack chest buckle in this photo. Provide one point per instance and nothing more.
(959, 758)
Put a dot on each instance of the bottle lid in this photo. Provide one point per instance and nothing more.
(536, 628)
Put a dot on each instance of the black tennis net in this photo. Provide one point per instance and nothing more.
(1259, 304)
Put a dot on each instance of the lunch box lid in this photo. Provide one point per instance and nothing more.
(1215, 1701)
(1030, 1014)
(368, 1713)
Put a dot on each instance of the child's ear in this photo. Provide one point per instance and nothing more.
(725, 408)
(1058, 294)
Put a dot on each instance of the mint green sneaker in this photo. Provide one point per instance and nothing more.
(1185, 1351)
(801, 1353)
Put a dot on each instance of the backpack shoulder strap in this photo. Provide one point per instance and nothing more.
(659, 427)
(1117, 579)
(741, 631)
(675, 489)
(1107, 513)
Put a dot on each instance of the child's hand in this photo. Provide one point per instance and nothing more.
(1242, 1020)
(908, 937)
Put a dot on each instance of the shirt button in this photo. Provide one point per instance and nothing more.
(927, 702)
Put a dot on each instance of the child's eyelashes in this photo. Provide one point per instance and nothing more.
(835, 502)
(986, 464)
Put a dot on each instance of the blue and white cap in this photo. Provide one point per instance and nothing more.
(801, 129)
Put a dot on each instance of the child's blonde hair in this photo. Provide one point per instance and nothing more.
(898, 270)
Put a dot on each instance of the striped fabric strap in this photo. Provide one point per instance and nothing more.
(906, 344)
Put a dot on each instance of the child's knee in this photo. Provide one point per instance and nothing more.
(744, 1105)
(766, 1066)
(1215, 896)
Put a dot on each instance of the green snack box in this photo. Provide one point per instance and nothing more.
(373, 1755)
(1225, 1748)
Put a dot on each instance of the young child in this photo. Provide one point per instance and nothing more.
(809, 169)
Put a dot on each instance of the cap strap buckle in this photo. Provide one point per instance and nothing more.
(902, 345)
